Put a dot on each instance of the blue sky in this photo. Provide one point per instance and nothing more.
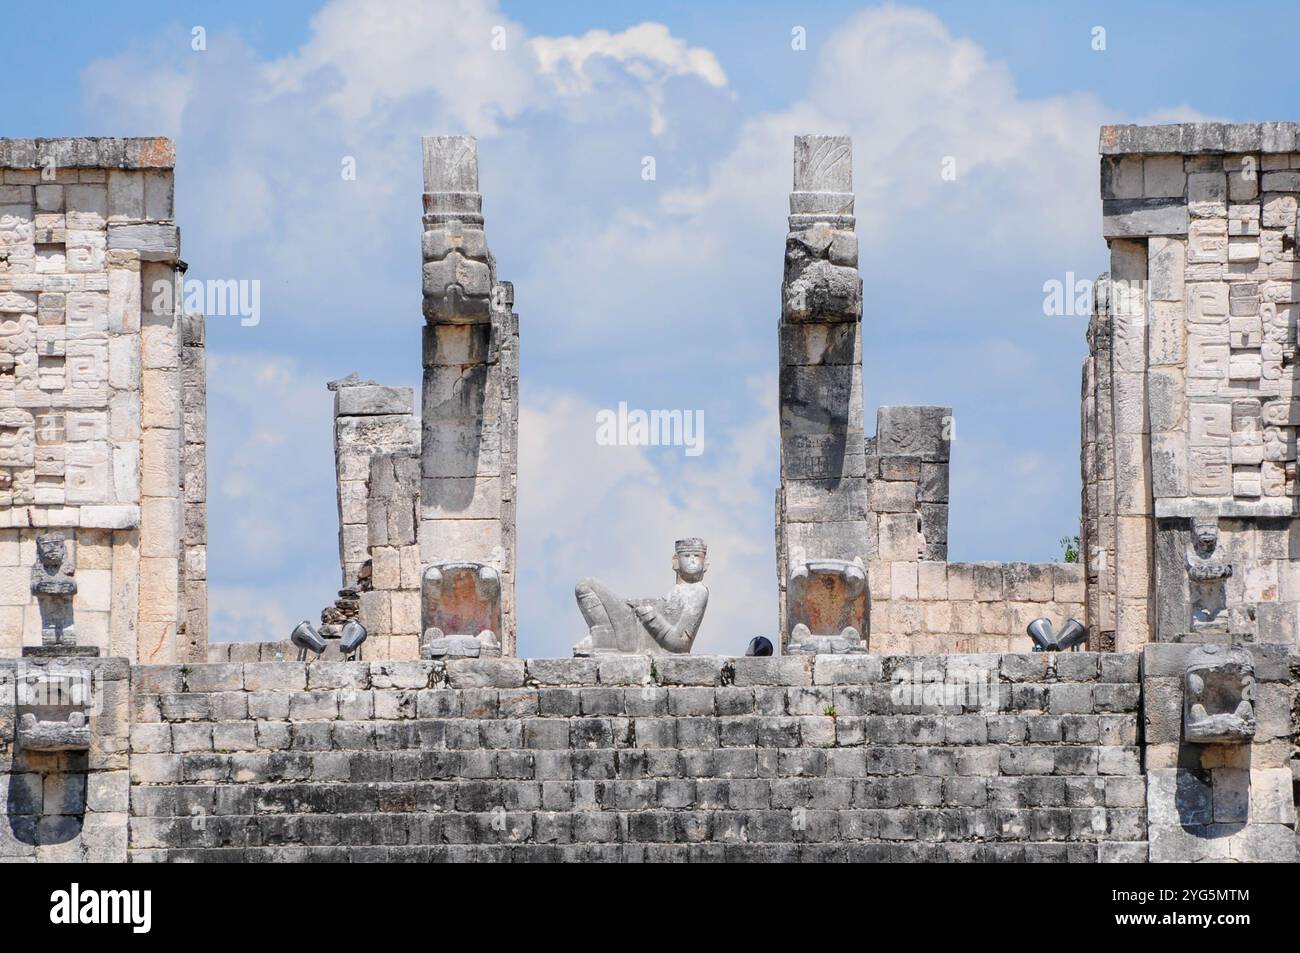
(662, 294)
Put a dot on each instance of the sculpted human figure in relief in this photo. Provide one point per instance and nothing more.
(1206, 574)
(652, 626)
(54, 587)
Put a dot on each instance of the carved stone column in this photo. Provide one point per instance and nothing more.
(470, 357)
(822, 501)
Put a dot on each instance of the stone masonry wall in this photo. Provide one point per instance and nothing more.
(91, 395)
(1190, 384)
(619, 758)
(66, 806)
(924, 608)
(1220, 802)
(390, 609)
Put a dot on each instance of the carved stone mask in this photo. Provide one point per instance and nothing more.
(1218, 695)
(1205, 535)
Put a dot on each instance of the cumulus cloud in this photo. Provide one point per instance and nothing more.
(648, 51)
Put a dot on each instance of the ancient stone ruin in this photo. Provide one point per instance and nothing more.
(102, 402)
(1135, 706)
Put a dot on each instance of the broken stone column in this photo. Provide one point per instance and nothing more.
(390, 607)
(823, 495)
(907, 470)
(468, 439)
(369, 419)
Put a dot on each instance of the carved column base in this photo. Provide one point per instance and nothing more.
(39, 735)
(828, 607)
(803, 642)
(435, 644)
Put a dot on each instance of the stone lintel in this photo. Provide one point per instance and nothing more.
(372, 400)
(1140, 218)
(1200, 138)
(1227, 507)
(88, 153)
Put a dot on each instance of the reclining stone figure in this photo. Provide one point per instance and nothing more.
(663, 626)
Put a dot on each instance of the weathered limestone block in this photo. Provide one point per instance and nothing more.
(154, 242)
(924, 432)
(72, 734)
(653, 626)
(53, 709)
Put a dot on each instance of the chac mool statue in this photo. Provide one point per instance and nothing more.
(654, 626)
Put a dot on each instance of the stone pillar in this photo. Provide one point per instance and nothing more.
(1132, 435)
(369, 419)
(194, 488)
(822, 501)
(1097, 463)
(907, 469)
(468, 442)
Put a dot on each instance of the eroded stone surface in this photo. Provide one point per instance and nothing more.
(828, 603)
(462, 610)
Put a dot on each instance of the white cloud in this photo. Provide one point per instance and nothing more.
(368, 58)
(648, 51)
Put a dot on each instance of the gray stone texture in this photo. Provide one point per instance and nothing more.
(628, 758)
